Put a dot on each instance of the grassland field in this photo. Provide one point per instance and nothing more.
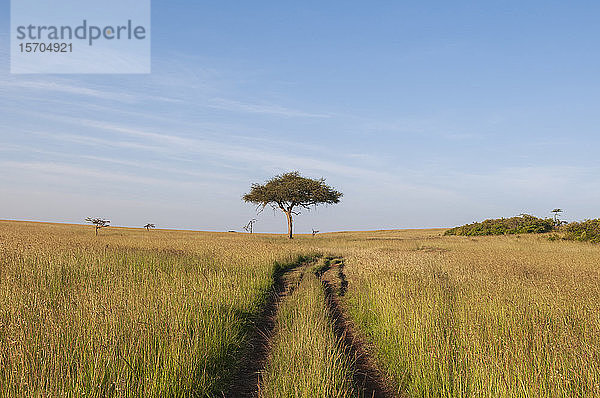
(171, 313)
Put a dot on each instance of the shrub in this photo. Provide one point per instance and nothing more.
(524, 224)
(553, 237)
(588, 230)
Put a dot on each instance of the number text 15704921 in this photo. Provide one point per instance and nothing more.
(46, 47)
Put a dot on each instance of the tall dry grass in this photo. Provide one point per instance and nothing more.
(130, 313)
(307, 358)
(495, 316)
(166, 312)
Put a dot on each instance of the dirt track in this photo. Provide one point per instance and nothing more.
(246, 381)
(367, 378)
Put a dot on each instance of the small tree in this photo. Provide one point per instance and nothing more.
(148, 226)
(98, 223)
(556, 213)
(289, 191)
(314, 232)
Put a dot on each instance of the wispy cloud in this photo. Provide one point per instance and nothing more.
(267, 109)
(78, 89)
(69, 174)
(66, 88)
(267, 158)
(94, 141)
(134, 165)
(78, 171)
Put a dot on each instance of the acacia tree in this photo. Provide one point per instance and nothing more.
(556, 214)
(289, 191)
(148, 226)
(98, 223)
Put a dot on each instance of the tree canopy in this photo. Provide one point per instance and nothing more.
(290, 190)
(98, 222)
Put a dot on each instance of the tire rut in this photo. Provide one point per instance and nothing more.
(246, 380)
(368, 378)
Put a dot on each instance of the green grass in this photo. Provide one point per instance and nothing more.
(307, 359)
(494, 317)
(141, 317)
(167, 313)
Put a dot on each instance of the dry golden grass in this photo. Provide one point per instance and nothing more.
(165, 312)
(488, 316)
(130, 312)
(307, 359)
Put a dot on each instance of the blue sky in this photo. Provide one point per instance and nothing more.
(424, 114)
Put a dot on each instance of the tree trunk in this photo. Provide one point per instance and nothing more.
(289, 220)
(96, 231)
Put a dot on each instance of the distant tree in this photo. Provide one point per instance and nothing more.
(556, 213)
(314, 232)
(250, 225)
(98, 223)
(289, 191)
(148, 226)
